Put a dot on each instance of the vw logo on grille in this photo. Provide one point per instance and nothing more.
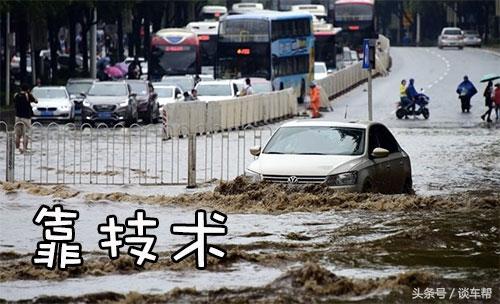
(293, 180)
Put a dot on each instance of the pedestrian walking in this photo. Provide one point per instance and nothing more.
(314, 94)
(496, 99)
(24, 112)
(488, 101)
(465, 91)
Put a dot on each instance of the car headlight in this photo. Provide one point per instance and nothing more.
(123, 104)
(342, 179)
(86, 103)
(254, 176)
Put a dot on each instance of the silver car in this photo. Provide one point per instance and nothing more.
(472, 38)
(360, 157)
(451, 37)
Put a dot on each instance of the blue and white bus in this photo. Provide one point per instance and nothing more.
(277, 46)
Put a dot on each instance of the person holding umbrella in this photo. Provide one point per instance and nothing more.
(489, 95)
(488, 102)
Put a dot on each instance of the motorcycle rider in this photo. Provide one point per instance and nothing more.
(412, 94)
(465, 91)
(402, 95)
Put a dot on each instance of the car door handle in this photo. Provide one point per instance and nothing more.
(388, 166)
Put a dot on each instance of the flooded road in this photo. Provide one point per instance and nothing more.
(370, 242)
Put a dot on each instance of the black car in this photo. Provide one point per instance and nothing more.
(110, 102)
(147, 104)
(77, 89)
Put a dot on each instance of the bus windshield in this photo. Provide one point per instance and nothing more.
(243, 61)
(244, 30)
(180, 60)
(353, 12)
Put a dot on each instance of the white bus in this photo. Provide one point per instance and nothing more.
(318, 11)
(241, 8)
(212, 12)
(207, 36)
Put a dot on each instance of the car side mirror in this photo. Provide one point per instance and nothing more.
(380, 153)
(82, 94)
(132, 95)
(255, 150)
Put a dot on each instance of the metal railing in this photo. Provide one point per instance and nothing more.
(67, 154)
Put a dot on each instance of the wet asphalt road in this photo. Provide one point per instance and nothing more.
(436, 71)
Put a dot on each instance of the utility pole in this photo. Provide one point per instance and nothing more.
(418, 29)
(93, 44)
(7, 58)
(368, 65)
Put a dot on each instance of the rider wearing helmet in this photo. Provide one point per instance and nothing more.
(412, 94)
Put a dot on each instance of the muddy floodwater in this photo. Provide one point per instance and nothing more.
(284, 244)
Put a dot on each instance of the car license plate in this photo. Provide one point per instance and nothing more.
(47, 113)
(104, 115)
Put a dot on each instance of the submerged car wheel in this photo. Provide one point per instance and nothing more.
(367, 187)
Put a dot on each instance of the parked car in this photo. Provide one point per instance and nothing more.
(472, 38)
(147, 105)
(217, 90)
(77, 89)
(54, 103)
(167, 93)
(320, 70)
(259, 85)
(186, 83)
(362, 157)
(451, 37)
(110, 102)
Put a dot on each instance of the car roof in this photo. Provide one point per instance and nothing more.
(328, 123)
(160, 85)
(51, 87)
(136, 81)
(81, 80)
(220, 81)
(451, 28)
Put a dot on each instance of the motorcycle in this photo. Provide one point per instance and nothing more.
(421, 100)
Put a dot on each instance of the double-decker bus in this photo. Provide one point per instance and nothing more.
(356, 18)
(174, 51)
(328, 46)
(207, 37)
(277, 46)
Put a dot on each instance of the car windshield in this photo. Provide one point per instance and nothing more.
(317, 141)
(108, 89)
(75, 88)
(139, 88)
(164, 92)
(214, 89)
(319, 68)
(452, 32)
(186, 84)
(49, 93)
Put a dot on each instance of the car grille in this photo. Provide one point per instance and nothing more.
(293, 179)
(46, 109)
(104, 108)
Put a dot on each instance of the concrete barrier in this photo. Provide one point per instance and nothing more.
(185, 118)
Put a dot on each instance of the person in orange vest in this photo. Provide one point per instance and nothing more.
(315, 100)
